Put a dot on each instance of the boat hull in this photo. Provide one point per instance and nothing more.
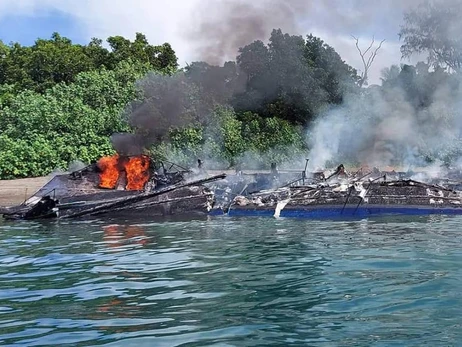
(338, 211)
(171, 201)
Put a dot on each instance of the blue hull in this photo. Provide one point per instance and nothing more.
(347, 212)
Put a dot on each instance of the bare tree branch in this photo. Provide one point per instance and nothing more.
(368, 48)
(367, 61)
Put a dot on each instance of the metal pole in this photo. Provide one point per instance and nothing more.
(304, 171)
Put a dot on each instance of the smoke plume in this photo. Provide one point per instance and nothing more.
(225, 26)
(173, 102)
(164, 103)
(415, 118)
(220, 27)
(381, 127)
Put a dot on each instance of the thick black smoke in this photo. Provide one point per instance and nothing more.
(127, 144)
(220, 29)
(165, 103)
(173, 102)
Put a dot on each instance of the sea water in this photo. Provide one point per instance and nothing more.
(221, 281)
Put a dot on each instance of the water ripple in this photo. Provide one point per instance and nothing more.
(232, 282)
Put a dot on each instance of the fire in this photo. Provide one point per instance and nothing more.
(136, 171)
(109, 171)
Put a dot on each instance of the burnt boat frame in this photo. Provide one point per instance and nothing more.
(301, 202)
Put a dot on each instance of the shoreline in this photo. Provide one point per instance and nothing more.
(16, 191)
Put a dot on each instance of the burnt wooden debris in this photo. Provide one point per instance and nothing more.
(173, 190)
(342, 197)
(169, 189)
(359, 193)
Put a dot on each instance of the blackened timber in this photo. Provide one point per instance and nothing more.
(104, 207)
(341, 199)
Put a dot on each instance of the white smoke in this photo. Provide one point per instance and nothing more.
(380, 127)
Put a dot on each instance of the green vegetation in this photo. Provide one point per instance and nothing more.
(42, 132)
(232, 140)
(61, 102)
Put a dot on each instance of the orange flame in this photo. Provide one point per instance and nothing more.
(137, 172)
(109, 171)
(136, 169)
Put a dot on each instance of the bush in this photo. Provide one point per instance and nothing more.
(44, 132)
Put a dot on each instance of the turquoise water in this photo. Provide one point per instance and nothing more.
(232, 282)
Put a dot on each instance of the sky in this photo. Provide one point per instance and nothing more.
(197, 28)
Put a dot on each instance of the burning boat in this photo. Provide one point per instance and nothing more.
(116, 185)
(350, 197)
(139, 187)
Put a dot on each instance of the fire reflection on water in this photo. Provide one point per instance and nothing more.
(120, 235)
(115, 237)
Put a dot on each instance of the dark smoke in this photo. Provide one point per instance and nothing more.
(127, 144)
(226, 26)
(173, 102)
(220, 27)
(166, 102)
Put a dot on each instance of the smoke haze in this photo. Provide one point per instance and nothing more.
(221, 27)
(382, 128)
(413, 120)
(376, 128)
(225, 26)
(176, 101)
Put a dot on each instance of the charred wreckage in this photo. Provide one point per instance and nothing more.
(341, 194)
(123, 185)
(118, 185)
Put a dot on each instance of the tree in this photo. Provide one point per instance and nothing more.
(15, 67)
(419, 83)
(52, 61)
(56, 60)
(215, 85)
(292, 78)
(434, 27)
(335, 76)
(161, 58)
(389, 75)
(280, 80)
(45, 131)
(254, 59)
(99, 55)
(367, 60)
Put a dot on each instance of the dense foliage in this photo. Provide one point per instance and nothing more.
(43, 132)
(61, 102)
(237, 140)
(292, 78)
(434, 27)
(49, 62)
